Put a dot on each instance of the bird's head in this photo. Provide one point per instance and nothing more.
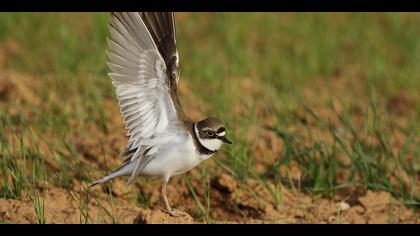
(211, 133)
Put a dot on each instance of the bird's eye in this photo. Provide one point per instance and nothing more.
(210, 133)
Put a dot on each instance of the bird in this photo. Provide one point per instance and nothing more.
(144, 68)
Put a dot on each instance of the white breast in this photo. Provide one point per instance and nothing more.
(174, 158)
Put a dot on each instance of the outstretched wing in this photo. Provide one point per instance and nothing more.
(143, 84)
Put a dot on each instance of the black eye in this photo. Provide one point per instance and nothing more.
(210, 133)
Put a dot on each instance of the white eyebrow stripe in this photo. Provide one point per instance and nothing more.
(221, 133)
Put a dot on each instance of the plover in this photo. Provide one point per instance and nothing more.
(163, 141)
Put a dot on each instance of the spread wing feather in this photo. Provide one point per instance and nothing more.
(139, 72)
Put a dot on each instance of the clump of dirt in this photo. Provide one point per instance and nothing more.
(400, 104)
(21, 88)
(375, 201)
(224, 183)
(147, 216)
(7, 88)
(381, 208)
(8, 47)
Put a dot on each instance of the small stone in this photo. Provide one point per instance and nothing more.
(342, 206)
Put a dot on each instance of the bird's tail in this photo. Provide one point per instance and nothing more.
(100, 181)
(119, 172)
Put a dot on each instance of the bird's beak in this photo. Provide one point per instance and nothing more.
(225, 140)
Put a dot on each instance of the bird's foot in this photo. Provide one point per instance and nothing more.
(176, 213)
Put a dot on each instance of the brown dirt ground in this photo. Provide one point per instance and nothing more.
(231, 201)
(372, 208)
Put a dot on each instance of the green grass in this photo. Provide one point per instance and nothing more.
(203, 205)
(14, 155)
(245, 68)
(372, 164)
(39, 206)
(38, 169)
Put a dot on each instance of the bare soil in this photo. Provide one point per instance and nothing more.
(372, 208)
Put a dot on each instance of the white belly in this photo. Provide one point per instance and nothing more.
(173, 159)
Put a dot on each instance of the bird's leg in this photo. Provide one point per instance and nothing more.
(172, 212)
(165, 199)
